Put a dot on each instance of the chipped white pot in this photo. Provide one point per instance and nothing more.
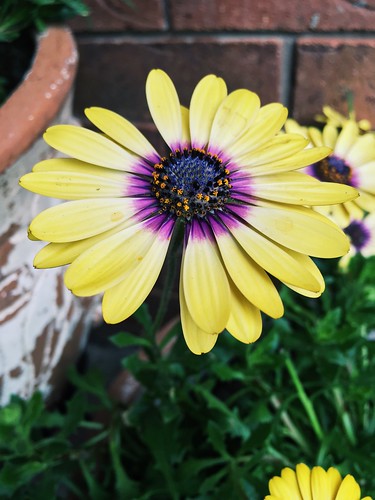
(42, 325)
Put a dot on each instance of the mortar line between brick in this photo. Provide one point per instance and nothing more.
(167, 15)
(287, 70)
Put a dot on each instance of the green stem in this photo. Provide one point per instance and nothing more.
(171, 263)
(344, 415)
(303, 397)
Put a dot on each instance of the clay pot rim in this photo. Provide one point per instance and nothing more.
(36, 101)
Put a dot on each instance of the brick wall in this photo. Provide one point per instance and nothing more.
(304, 53)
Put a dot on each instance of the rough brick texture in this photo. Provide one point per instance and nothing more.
(292, 15)
(113, 72)
(117, 15)
(329, 68)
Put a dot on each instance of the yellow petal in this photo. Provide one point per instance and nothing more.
(319, 484)
(349, 489)
(330, 134)
(74, 185)
(300, 229)
(365, 201)
(362, 151)
(281, 488)
(206, 288)
(107, 263)
(245, 321)
(80, 219)
(250, 279)
(197, 340)
(282, 146)
(366, 176)
(60, 254)
(120, 130)
(73, 165)
(90, 147)
(232, 118)
(298, 188)
(164, 106)
(274, 259)
(294, 162)
(306, 262)
(123, 299)
(303, 477)
(346, 138)
(315, 136)
(334, 479)
(290, 477)
(206, 98)
(267, 123)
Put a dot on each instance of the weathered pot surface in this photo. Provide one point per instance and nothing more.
(42, 325)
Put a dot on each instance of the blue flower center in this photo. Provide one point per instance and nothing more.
(358, 234)
(332, 169)
(192, 182)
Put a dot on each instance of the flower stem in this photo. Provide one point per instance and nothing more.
(303, 397)
(344, 415)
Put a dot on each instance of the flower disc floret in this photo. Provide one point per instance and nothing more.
(333, 169)
(191, 183)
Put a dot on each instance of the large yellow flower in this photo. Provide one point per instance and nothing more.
(229, 181)
(352, 162)
(315, 484)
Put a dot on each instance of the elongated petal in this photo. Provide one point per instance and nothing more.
(164, 107)
(294, 162)
(233, 117)
(197, 340)
(107, 263)
(206, 287)
(334, 479)
(316, 136)
(267, 123)
(362, 151)
(300, 229)
(306, 262)
(251, 279)
(80, 219)
(61, 254)
(245, 322)
(206, 98)
(304, 481)
(297, 188)
(74, 185)
(121, 130)
(73, 165)
(282, 146)
(365, 175)
(90, 147)
(319, 484)
(349, 489)
(330, 135)
(282, 489)
(346, 138)
(290, 477)
(274, 259)
(122, 300)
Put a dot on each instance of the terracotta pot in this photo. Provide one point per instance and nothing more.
(42, 326)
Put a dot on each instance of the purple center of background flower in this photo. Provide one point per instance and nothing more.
(332, 169)
(358, 234)
(191, 183)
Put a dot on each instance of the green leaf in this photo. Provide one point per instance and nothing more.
(125, 339)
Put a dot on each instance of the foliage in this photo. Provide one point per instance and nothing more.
(18, 15)
(213, 426)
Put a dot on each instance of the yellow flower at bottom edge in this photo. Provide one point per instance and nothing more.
(229, 181)
(314, 484)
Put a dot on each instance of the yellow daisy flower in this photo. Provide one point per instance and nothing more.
(314, 484)
(361, 233)
(352, 162)
(229, 181)
(336, 119)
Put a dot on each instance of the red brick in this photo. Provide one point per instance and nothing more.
(116, 15)
(327, 68)
(112, 73)
(290, 15)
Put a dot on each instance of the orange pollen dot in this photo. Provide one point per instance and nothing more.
(162, 185)
(206, 198)
(180, 191)
(186, 208)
